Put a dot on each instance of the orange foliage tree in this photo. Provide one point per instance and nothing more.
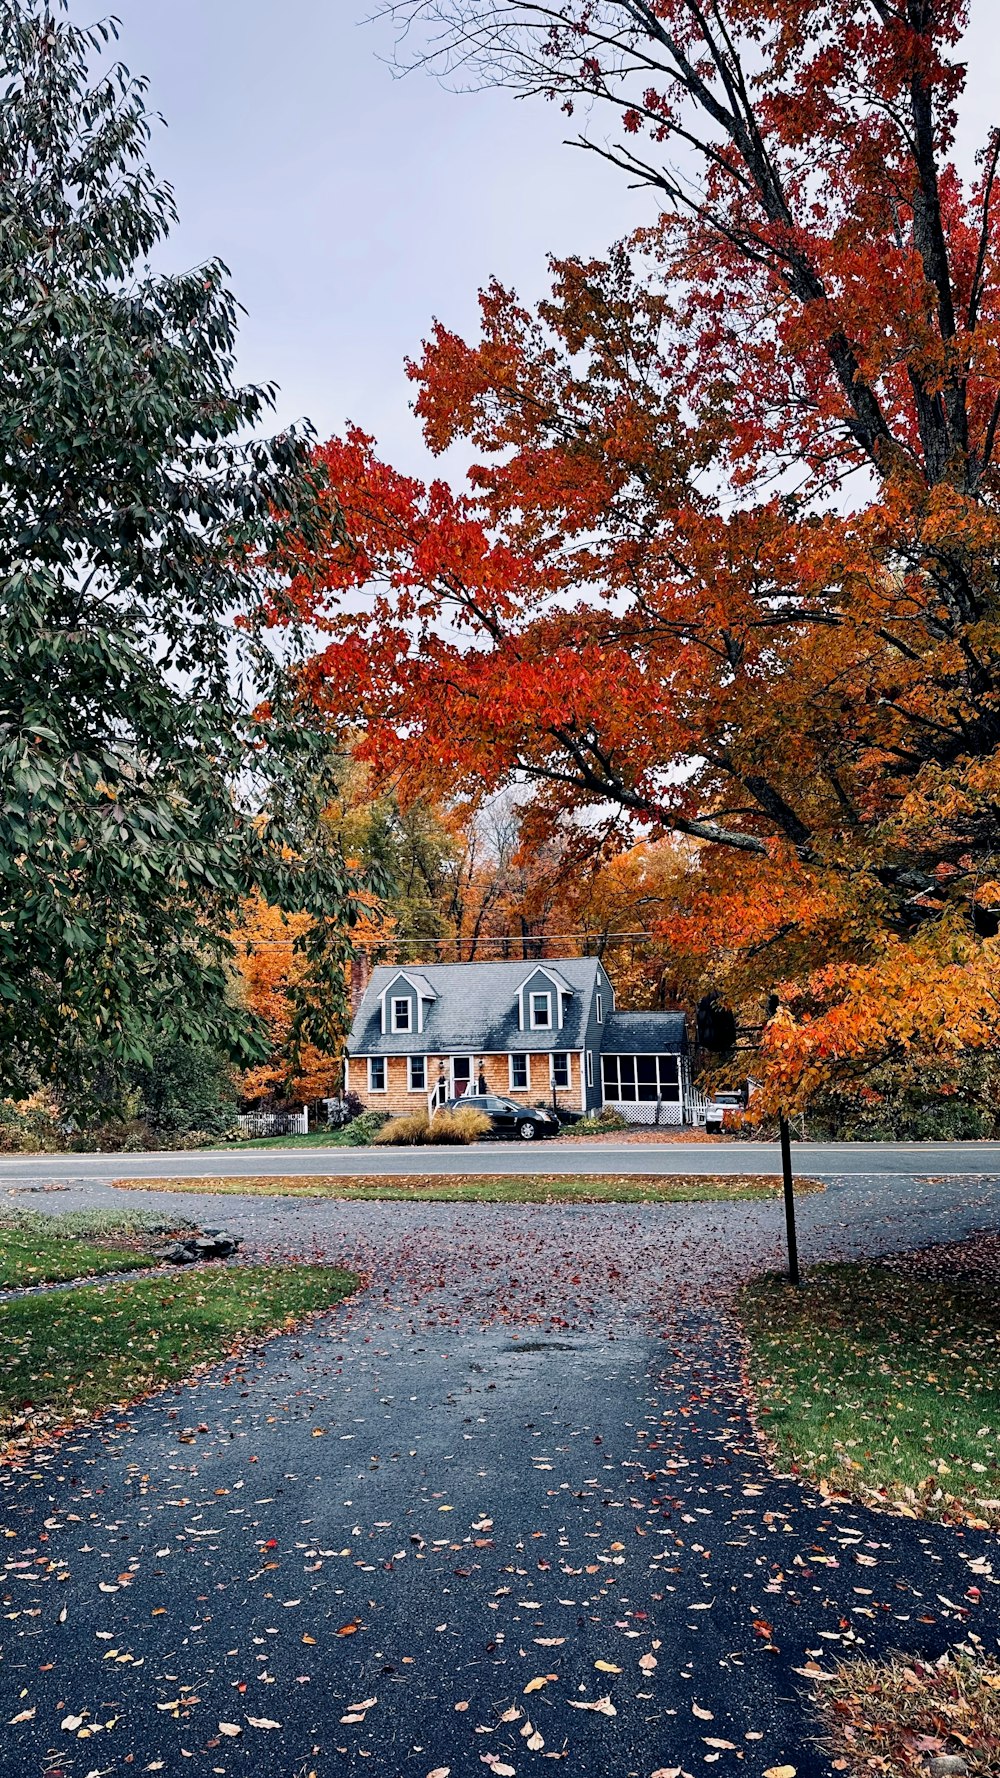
(726, 561)
(304, 1011)
(270, 968)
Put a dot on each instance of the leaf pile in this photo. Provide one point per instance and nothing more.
(893, 1716)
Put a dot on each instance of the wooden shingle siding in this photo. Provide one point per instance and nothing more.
(399, 1098)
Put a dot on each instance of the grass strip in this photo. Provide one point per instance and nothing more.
(67, 1355)
(882, 1384)
(53, 1259)
(491, 1188)
(893, 1716)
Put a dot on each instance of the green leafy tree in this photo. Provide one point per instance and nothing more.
(150, 779)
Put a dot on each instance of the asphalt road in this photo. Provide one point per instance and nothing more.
(502, 1508)
(823, 1160)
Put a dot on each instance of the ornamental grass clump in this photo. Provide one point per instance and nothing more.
(446, 1127)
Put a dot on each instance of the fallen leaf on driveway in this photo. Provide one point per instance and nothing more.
(648, 1664)
(606, 1667)
(666, 1772)
(780, 1772)
(603, 1705)
(716, 1741)
(23, 1716)
(440, 1772)
(702, 1715)
(230, 1728)
(535, 1685)
(263, 1722)
(71, 1723)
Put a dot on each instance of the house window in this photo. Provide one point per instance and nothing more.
(590, 1068)
(418, 1074)
(600, 1009)
(560, 1069)
(636, 1079)
(520, 1079)
(541, 1012)
(401, 1014)
(376, 1074)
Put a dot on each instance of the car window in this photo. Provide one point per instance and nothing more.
(494, 1104)
(472, 1099)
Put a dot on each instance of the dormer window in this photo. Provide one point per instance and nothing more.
(401, 1020)
(541, 1012)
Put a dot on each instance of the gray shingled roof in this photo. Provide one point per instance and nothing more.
(475, 1010)
(644, 1034)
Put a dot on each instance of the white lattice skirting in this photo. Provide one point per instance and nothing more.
(648, 1111)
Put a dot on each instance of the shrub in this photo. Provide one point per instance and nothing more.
(597, 1123)
(365, 1129)
(31, 1126)
(944, 1099)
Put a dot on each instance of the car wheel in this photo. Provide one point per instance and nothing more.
(527, 1129)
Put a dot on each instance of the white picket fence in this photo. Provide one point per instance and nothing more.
(274, 1123)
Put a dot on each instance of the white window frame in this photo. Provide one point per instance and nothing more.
(381, 1061)
(668, 1084)
(536, 1024)
(557, 1014)
(565, 1057)
(600, 1009)
(410, 1083)
(402, 1000)
(519, 1057)
(590, 1068)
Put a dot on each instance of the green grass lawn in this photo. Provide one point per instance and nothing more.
(30, 1259)
(315, 1139)
(490, 1188)
(884, 1385)
(69, 1354)
(36, 1248)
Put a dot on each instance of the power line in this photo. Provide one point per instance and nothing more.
(503, 938)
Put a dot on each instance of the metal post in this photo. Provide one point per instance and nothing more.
(789, 1187)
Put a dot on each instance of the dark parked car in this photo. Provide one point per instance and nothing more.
(508, 1118)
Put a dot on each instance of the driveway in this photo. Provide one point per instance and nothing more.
(503, 1508)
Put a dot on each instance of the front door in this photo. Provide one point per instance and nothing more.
(461, 1075)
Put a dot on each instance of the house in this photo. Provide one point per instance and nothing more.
(534, 1031)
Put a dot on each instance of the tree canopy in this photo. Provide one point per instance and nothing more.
(725, 563)
(151, 777)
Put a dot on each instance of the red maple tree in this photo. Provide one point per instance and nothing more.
(726, 563)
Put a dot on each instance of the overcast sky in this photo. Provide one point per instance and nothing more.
(352, 207)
